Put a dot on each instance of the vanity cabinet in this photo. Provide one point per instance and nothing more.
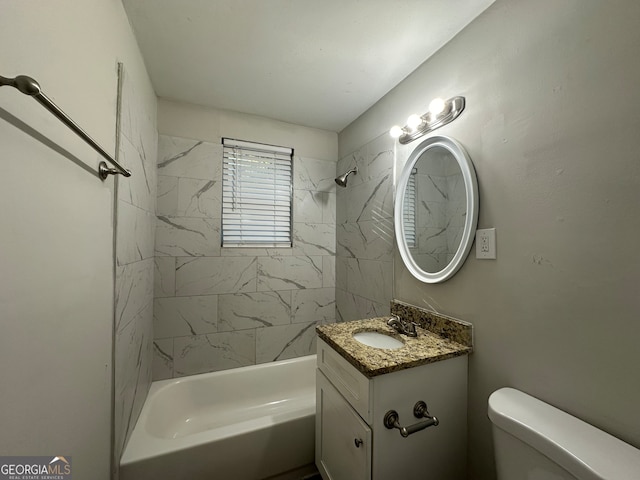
(352, 441)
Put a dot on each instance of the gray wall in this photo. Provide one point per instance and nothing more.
(57, 235)
(551, 124)
(218, 308)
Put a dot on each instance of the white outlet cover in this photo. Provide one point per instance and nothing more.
(486, 244)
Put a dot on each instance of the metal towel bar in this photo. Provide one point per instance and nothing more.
(392, 420)
(29, 86)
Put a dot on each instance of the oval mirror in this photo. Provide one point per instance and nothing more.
(436, 210)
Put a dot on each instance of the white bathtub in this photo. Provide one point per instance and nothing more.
(245, 423)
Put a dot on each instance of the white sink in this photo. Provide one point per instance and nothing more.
(378, 340)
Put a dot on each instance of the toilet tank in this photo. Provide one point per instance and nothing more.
(535, 441)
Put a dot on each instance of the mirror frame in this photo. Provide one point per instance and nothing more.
(471, 220)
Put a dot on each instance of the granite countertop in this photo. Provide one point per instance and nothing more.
(427, 347)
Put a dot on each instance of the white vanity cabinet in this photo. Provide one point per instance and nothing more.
(352, 442)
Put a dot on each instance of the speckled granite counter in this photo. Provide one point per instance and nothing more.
(427, 347)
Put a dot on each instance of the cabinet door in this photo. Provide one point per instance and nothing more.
(343, 440)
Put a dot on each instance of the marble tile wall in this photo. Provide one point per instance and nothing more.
(365, 233)
(219, 308)
(135, 225)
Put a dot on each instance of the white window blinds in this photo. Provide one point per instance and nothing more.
(409, 211)
(256, 194)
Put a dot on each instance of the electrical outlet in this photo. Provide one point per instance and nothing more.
(486, 244)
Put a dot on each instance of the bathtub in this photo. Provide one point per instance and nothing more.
(246, 423)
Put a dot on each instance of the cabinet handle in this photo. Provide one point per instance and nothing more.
(358, 442)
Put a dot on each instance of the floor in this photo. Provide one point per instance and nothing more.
(313, 476)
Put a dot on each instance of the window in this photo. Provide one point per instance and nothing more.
(409, 210)
(257, 194)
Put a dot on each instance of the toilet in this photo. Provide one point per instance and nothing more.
(535, 441)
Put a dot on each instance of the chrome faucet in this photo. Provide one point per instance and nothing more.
(402, 326)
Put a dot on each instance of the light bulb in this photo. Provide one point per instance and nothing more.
(436, 106)
(414, 121)
(396, 131)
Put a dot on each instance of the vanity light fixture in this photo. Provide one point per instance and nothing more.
(440, 113)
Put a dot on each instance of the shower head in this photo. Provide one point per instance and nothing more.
(342, 179)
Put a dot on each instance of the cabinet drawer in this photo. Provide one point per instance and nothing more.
(352, 384)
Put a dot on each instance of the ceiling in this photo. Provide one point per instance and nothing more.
(317, 63)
